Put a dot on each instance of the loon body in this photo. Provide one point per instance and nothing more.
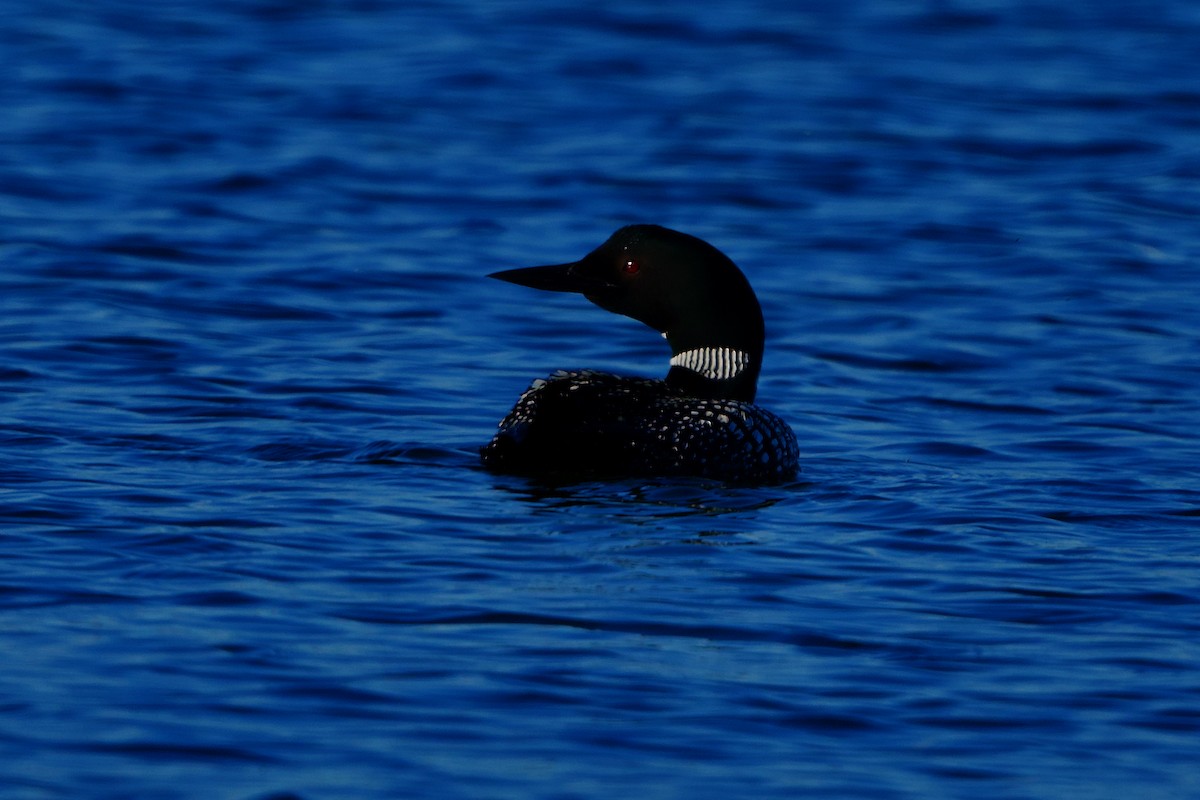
(700, 420)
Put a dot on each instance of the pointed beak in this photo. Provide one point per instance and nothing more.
(554, 278)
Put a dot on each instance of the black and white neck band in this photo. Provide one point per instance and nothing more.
(714, 363)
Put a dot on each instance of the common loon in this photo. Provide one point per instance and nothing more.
(700, 420)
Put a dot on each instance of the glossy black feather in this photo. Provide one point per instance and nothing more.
(700, 420)
(586, 423)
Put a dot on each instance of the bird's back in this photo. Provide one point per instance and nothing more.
(588, 423)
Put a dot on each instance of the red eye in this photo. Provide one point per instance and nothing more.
(631, 268)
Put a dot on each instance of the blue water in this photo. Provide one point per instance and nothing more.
(247, 356)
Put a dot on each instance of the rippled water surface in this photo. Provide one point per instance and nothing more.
(249, 354)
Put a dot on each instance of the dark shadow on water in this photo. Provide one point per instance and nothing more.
(379, 452)
(385, 452)
(674, 496)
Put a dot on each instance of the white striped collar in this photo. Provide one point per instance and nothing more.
(714, 363)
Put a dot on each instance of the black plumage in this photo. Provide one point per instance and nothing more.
(597, 424)
(700, 420)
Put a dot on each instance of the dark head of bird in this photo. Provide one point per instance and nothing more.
(680, 286)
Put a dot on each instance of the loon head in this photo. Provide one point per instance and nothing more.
(680, 286)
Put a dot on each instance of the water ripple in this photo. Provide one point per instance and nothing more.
(248, 355)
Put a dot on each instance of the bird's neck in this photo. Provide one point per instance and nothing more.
(718, 368)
